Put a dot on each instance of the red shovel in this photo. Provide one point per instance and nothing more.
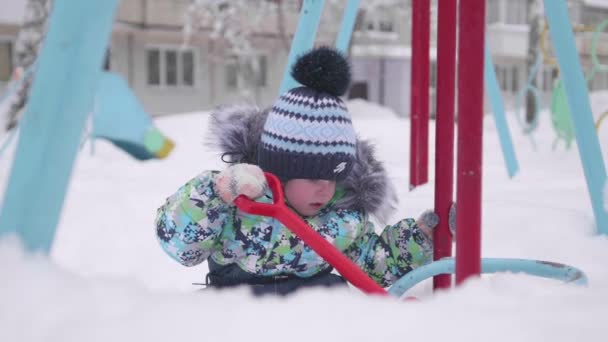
(312, 238)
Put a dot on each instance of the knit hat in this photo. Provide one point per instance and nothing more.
(308, 133)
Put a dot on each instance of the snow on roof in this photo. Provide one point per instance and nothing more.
(597, 3)
(12, 11)
(391, 51)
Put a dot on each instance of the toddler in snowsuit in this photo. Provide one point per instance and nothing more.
(329, 176)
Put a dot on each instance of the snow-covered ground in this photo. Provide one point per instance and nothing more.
(108, 280)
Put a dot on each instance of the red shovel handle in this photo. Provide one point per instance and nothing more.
(312, 238)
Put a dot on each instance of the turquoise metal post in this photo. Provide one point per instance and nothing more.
(60, 99)
(347, 25)
(498, 109)
(304, 39)
(539, 268)
(578, 102)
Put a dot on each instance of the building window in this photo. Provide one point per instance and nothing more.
(188, 68)
(255, 72)
(153, 59)
(501, 76)
(508, 77)
(385, 26)
(516, 12)
(514, 78)
(232, 72)
(262, 71)
(493, 11)
(170, 67)
(600, 81)
(380, 21)
(358, 90)
(6, 60)
(592, 15)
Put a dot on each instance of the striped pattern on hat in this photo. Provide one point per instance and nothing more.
(308, 134)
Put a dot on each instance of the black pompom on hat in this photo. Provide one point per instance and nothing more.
(308, 133)
(324, 69)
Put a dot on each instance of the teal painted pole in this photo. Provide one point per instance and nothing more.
(347, 25)
(578, 102)
(61, 97)
(304, 39)
(538, 268)
(498, 109)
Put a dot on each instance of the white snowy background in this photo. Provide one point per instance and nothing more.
(107, 279)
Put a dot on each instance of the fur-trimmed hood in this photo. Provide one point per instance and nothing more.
(236, 131)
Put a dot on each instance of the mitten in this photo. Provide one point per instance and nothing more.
(427, 221)
(240, 179)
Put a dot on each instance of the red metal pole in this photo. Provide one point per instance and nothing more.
(419, 92)
(470, 136)
(444, 133)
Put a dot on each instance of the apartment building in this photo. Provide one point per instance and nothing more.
(381, 52)
(508, 34)
(171, 70)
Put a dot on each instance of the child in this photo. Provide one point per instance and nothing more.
(330, 178)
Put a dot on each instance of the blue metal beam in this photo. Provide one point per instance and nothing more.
(580, 109)
(61, 97)
(347, 25)
(498, 109)
(538, 268)
(304, 39)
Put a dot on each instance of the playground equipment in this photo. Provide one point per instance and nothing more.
(119, 118)
(560, 112)
(351, 272)
(529, 88)
(306, 31)
(578, 101)
(468, 262)
(72, 57)
(599, 121)
(419, 113)
(444, 132)
(597, 66)
(561, 116)
(419, 94)
(498, 110)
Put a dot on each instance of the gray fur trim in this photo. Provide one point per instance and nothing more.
(236, 131)
(368, 186)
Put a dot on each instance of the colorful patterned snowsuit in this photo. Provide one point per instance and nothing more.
(194, 224)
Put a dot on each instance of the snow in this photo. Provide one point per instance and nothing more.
(599, 103)
(108, 280)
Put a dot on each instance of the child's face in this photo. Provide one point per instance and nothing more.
(308, 196)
